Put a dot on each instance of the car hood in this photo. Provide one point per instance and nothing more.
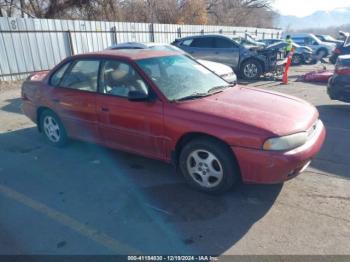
(329, 45)
(265, 112)
(218, 68)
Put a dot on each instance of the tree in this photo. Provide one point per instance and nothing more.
(224, 12)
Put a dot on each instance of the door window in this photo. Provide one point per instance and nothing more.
(203, 42)
(82, 76)
(119, 78)
(310, 41)
(223, 43)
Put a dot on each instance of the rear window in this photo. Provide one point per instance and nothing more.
(57, 76)
(204, 42)
(187, 42)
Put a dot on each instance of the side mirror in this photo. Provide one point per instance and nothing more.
(138, 96)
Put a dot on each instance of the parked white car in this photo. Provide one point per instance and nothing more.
(319, 48)
(222, 70)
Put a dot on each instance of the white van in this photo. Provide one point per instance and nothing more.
(319, 48)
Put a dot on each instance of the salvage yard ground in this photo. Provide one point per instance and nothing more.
(85, 199)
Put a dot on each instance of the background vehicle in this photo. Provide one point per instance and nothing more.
(220, 69)
(343, 49)
(248, 42)
(320, 49)
(250, 62)
(329, 39)
(339, 83)
(302, 54)
(166, 106)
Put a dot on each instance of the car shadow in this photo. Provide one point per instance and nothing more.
(334, 156)
(140, 202)
(12, 106)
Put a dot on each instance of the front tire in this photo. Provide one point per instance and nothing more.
(209, 165)
(53, 129)
(251, 69)
(297, 59)
(322, 53)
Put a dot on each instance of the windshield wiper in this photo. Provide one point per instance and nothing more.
(216, 89)
(193, 96)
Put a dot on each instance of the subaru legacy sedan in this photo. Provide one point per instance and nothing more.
(167, 106)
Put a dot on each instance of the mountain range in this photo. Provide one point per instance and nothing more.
(319, 19)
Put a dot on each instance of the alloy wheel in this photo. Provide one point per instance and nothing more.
(205, 168)
(250, 70)
(52, 129)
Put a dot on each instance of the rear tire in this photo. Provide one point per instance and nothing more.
(251, 69)
(209, 165)
(53, 129)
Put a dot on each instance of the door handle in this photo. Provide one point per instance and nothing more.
(104, 109)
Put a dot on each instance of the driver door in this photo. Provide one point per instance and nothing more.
(131, 126)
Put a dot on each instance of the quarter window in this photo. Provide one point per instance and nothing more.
(82, 76)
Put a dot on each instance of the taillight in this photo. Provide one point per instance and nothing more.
(342, 70)
(337, 51)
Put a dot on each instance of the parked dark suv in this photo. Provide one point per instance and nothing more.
(339, 84)
(341, 49)
(249, 62)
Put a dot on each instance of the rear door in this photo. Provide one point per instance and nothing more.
(73, 97)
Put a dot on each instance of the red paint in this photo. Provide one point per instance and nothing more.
(318, 76)
(342, 71)
(242, 117)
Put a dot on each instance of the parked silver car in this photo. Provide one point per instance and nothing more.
(320, 49)
(249, 62)
(222, 70)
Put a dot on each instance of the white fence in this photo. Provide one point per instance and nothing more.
(29, 45)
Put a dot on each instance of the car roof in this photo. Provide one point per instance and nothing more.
(206, 35)
(130, 54)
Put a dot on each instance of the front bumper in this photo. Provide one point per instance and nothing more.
(271, 167)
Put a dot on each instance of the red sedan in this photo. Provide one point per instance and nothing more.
(166, 106)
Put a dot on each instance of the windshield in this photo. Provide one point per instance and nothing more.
(179, 77)
(328, 38)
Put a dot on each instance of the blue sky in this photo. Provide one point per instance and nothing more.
(307, 7)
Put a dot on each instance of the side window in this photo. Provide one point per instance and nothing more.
(57, 76)
(83, 76)
(119, 78)
(223, 43)
(299, 40)
(187, 42)
(310, 41)
(203, 42)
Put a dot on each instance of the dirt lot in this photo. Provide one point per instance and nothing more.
(85, 199)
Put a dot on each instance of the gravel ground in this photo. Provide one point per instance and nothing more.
(84, 199)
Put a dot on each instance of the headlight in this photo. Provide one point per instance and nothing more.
(284, 143)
